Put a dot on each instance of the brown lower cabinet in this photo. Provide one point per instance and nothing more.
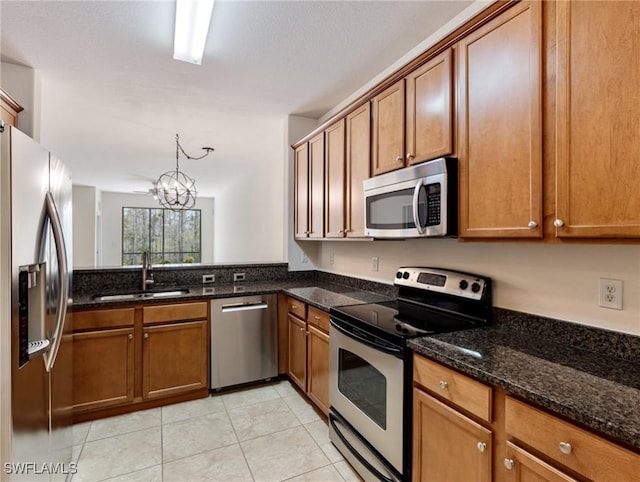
(455, 438)
(308, 351)
(103, 368)
(140, 355)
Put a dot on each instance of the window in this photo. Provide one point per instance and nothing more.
(169, 236)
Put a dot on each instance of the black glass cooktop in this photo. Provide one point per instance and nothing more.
(400, 320)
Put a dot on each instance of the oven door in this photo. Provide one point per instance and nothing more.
(366, 389)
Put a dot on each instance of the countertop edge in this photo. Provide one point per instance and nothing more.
(621, 434)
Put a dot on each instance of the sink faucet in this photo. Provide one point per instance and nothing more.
(147, 275)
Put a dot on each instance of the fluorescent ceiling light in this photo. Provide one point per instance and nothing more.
(192, 26)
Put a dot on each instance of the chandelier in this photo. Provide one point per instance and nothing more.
(176, 190)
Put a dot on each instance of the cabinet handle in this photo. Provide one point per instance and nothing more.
(565, 447)
(301, 329)
(294, 307)
(558, 223)
(532, 224)
(509, 464)
(316, 317)
(146, 335)
(400, 159)
(481, 446)
(443, 385)
(410, 156)
(130, 336)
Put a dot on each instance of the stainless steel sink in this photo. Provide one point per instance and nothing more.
(140, 295)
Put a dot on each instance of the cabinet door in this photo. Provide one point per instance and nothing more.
(298, 352)
(102, 368)
(388, 129)
(334, 177)
(598, 119)
(319, 368)
(499, 122)
(301, 192)
(447, 446)
(358, 126)
(521, 466)
(316, 186)
(175, 358)
(429, 110)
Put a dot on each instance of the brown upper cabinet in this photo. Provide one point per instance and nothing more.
(421, 103)
(335, 180)
(9, 109)
(500, 126)
(309, 189)
(429, 110)
(358, 127)
(597, 120)
(346, 167)
(301, 192)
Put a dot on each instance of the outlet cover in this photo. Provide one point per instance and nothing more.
(610, 293)
(332, 258)
(375, 261)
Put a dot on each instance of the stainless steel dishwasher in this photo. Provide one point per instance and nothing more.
(244, 340)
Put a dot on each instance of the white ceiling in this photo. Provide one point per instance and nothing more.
(113, 97)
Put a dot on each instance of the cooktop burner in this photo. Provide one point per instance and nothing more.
(429, 301)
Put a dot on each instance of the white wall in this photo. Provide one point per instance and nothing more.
(84, 227)
(249, 221)
(559, 281)
(23, 85)
(112, 204)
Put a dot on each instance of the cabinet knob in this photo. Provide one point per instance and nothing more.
(481, 446)
(443, 385)
(399, 158)
(301, 329)
(565, 447)
(130, 336)
(410, 156)
(532, 224)
(509, 464)
(558, 223)
(294, 307)
(146, 335)
(316, 317)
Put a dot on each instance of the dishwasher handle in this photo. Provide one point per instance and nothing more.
(260, 305)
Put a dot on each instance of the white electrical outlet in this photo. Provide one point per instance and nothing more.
(610, 293)
(374, 263)
(332, 259)
(303, 257)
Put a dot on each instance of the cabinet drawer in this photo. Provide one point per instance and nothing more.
(95, 319)
(175, 312)
(297, 308)
(582, 451)
(465, 392)
(318, 318)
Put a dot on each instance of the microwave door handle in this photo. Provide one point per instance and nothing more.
(416, 197)
(63, 277)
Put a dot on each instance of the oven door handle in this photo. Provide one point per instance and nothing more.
(332, 420)
(385, 349)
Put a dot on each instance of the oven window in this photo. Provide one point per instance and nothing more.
(363, 385)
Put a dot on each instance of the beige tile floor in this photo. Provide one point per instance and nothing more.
(263, 433)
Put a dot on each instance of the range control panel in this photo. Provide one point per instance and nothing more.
(454, 283)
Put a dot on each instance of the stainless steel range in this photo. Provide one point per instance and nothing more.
(371, 366)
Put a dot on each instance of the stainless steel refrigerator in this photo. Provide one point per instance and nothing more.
(41, 325)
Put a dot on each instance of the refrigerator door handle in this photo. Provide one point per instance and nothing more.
(63, 279)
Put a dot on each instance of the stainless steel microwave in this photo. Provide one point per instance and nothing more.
(414, 202)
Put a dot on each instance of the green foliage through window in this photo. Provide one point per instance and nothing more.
(169, 236)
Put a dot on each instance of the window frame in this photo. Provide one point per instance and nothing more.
(162, 253)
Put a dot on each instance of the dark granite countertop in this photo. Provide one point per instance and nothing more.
(593, 389)
(320, 294)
